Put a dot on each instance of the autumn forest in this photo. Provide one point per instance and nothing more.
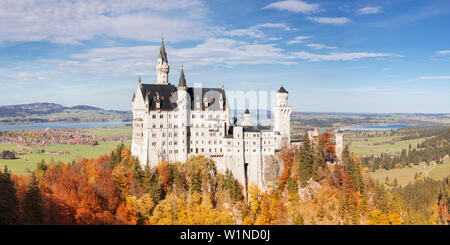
(115, 189)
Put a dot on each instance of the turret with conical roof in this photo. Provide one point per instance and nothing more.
(162, 68)
(247, 118)
(182, 82)
(162, 52)
(282, 90)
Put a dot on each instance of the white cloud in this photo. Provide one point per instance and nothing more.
(369, 10)
(73, 21)
(299, 39)
(330, 20)
(254, 31)
(295, 6)
(435, 77)
(117, 61)
(443, 52)
(319, 46)
(274, 38)
(337, 56)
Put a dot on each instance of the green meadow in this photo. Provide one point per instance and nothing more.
(406, 175)
(380, 144)
(111, 131)
(27, 158)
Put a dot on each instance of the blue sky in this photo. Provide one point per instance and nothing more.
(332, 56)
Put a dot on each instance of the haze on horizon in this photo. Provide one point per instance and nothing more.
(332, 56)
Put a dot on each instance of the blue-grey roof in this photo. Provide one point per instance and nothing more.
(167, 96)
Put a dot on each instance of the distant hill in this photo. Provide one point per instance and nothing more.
(51, 112)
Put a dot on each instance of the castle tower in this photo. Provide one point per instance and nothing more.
(339, 138)
(183, 103)
(247, 118)
(162, 68)
(282, 117)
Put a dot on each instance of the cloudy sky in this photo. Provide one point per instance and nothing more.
(332, 56)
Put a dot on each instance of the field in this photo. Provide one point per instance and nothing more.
(29, 160)
(380, 144)
(406, 175)
(29, 156)
(112, 131)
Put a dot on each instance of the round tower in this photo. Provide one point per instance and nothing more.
(282, 116)
(162, 68)
(183, 105)
(247, 118)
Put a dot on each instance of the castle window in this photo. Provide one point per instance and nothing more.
(254, 150)
(175, 134)
(193, 115)
(201, 116)
(154, 135)
(176, 151)
(153, 143)
(153, 116)
(163, 143)
(163, 134)
(160, 125)
(209, 149)
(154, 126)
(203, 150)
(161, 116)
(175, 142)
(170, 115)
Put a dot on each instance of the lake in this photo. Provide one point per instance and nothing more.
(382, 127)
(58, 125)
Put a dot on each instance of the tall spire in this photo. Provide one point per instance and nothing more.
(139, 80)
(162, 52)
(162, 68)
(182, 82)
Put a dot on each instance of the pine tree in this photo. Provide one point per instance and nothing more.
(319, 161)
(305, 166)
(353, 169)
(8, 200)
(32, 210)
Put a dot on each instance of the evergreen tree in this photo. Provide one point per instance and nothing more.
(116, 156)
(353, 169)
(319, 161)
(8, 200)
(305, 166)
(32, 210)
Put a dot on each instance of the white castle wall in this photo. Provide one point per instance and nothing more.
(175, 135)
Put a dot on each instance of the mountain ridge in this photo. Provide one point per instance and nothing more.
(52, 112)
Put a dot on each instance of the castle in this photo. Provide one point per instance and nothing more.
(173, 123)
